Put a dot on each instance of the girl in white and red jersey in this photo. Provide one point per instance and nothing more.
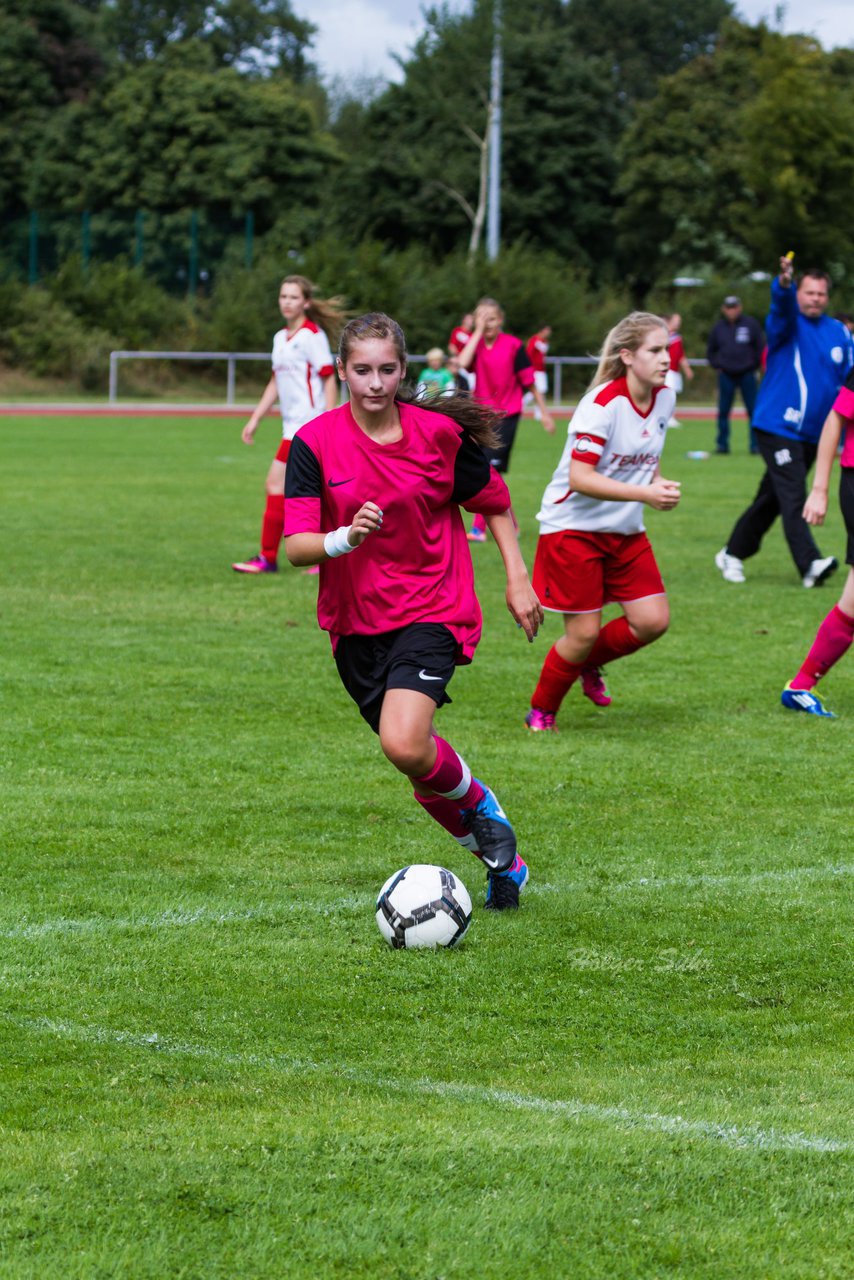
(502, 372)
(373, 496)
(303, 382)
(592, 549)
(836, 632)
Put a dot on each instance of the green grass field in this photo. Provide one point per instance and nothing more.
(213, 1066)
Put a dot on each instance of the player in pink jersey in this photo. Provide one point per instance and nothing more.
(503, 372)
(836, 632)
(303, 381)
(593, 549)
(373, 496)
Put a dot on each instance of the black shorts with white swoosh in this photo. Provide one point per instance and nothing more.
(421, 656)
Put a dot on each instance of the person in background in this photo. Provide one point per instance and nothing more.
(373, 496)
(502, 372)
(809, 357)
(836, 632)
(537, 348)
(303, 382)
(435, 379)
(593, 549)
(680, 367)
(460, 334)
(734, 351)
(461, 378)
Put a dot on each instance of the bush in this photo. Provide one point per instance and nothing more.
(47, 339)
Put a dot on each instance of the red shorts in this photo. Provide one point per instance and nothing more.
(284, 450)
(580, 572)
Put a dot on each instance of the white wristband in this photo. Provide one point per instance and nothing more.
(337, 543)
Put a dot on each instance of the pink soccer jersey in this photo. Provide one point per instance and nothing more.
(502, 372)
(417, 567)
(844, 406)
(300, 362)
(608, 430)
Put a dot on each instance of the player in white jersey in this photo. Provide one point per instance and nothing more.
(593, 549)
(303, 382)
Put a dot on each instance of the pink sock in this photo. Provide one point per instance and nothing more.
(832, 640)
(447, 813)
(478, 525)
(451, 777)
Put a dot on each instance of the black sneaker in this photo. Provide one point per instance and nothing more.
(490, 826)
(502, 891)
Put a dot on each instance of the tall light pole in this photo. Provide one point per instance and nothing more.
(493, 219)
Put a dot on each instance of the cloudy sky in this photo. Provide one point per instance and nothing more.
(358, 37)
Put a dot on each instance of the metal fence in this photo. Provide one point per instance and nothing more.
(556, 365)
(180, 250)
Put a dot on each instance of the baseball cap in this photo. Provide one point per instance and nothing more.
(732, 301)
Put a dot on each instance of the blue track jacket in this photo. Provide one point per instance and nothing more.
(808, 360)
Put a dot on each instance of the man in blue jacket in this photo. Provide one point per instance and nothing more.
(809, 356)
(734, 349)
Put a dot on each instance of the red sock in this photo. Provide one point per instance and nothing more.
(451, 777)
(832, 640)
(556, 679)
(615, 640)
(273, 526)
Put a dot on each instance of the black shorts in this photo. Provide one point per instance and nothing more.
(846, 502)
(421, 656)
(506, 429)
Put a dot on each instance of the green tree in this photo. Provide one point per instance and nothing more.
(50, 56)
(253, 35)
(639, 43)
(744, 153)
(415, 159)
(177, 132)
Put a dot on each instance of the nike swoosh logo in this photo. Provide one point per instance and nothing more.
(333, 484)
(422, 675)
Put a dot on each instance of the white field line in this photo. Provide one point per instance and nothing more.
(180, 918)
(747, 1137)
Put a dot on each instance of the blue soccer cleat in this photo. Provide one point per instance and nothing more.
(503, 889)
(490, 826)
(805, 700)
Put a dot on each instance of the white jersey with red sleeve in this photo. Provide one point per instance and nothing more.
(301, 361)
(608, 430)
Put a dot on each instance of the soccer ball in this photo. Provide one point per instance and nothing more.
(423, 906)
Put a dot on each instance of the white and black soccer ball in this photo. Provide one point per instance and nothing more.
(423, 906)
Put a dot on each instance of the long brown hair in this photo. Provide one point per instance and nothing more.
(330, 313)
(478, 420)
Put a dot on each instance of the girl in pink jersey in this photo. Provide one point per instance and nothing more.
(836, 632)
(503, 372)
(373, 496)
(303, 381)
(593, 549)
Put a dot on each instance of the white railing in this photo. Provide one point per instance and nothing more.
(231, 358)
(555, 363)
